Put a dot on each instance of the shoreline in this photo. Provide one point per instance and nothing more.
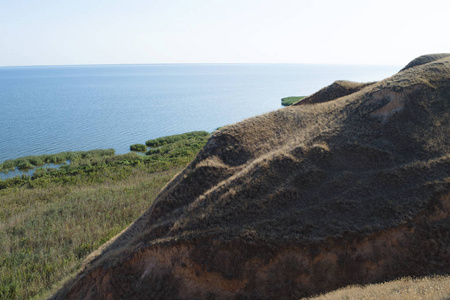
(27, 166)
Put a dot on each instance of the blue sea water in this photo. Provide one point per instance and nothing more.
(51, 109)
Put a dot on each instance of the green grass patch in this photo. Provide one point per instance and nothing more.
(51, 221)
(291, 100)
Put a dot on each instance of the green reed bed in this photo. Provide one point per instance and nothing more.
(51, 221)
(29, 162)
(138, 147)
(194, 135)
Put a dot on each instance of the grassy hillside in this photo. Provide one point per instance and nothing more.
(51, 221)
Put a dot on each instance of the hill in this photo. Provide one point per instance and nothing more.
(351, 188)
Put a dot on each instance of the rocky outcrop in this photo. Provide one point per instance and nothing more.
(303, 200)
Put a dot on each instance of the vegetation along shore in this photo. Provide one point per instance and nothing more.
(50, 221)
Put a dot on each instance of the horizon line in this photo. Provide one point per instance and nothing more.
(194, 63)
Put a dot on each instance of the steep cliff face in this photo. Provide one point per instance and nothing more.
(352, 189)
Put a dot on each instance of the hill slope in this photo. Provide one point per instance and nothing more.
(303, 200)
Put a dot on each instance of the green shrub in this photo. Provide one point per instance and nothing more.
(7, 165)
(36, 161)
(138, 147)
(24, 164)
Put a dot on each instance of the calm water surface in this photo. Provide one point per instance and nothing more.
(68, 108)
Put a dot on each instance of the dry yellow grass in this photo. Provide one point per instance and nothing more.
(432, 288)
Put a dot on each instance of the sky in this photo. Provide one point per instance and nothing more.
(62, 32)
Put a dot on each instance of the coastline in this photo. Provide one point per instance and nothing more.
(51, 110)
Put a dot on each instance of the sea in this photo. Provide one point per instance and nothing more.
(50, 109)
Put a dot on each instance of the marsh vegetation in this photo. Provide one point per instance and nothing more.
(138, 147)
(50, 221)
(30, 162)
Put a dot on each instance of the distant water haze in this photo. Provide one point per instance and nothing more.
(69, 108)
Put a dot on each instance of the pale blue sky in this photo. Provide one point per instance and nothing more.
(61, 32)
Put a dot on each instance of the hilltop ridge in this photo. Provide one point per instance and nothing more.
(350, 186)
